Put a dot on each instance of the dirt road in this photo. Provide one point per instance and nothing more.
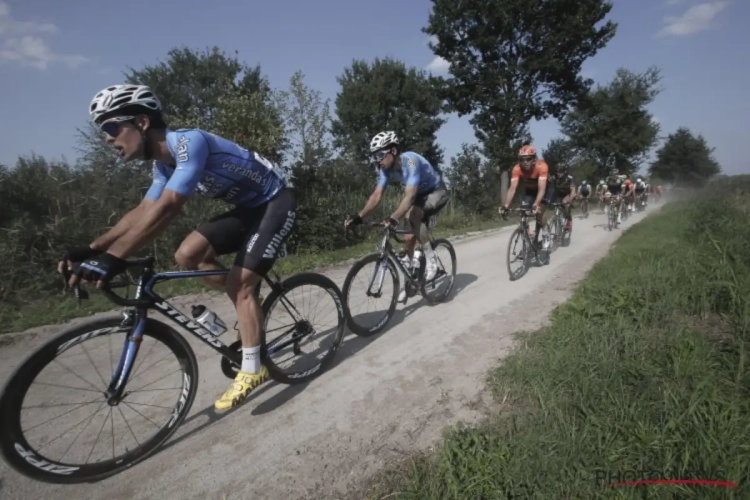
(385, 396)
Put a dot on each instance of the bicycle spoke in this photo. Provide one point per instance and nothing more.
(79, 434)
(59, 416)
(139, 413)
(130, 428)
(100, 433)
(75, 374)
(67, 387)
(87, 419)
(88, 355)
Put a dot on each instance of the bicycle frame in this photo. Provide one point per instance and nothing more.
(146, 298)
(386, 252)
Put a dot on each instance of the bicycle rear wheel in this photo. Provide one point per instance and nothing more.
(60, 454)
(300, 335)
(445, 276)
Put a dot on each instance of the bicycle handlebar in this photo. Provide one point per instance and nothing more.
(392, 232)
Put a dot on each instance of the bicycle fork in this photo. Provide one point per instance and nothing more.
(132, 343)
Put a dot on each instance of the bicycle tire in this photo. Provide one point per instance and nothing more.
(356, 268)
(19, 454)
(435, 244)
(525, 268)
(287, 285)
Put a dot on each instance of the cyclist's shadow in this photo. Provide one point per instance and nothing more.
(353, 344)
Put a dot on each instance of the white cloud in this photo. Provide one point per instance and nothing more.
(438, 65)
(696, 18)
(21, 43)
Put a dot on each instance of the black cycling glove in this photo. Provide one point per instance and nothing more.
(100, 267)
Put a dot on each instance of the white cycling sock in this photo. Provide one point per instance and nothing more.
(251, 359)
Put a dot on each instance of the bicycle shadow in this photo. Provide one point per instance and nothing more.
(351, 345)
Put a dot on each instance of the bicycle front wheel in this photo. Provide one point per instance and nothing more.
(518, 251)
(299, 344)
(381, 283)
(70, 436)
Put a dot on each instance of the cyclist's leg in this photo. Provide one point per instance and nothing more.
(269, 231)
(224, 234)
(566, 202)
(433, 204)
(549, 197)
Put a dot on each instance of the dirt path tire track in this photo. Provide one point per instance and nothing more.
(385, 396)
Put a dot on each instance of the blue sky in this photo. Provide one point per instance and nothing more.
(54, 55)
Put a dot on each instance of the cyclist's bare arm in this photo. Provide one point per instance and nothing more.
(541, 189)
(153, 220)
(410, 194)
(104, 241)
(511, 191)
(372, 202)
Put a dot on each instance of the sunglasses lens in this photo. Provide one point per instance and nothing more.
(111, 128)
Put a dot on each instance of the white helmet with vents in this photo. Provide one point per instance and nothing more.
(119, 96)
(382, 140)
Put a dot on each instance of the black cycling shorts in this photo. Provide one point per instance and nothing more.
(256, 234)
(615, 190)
(433, 202)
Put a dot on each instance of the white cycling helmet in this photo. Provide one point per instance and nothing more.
(119, 96)
(382, 140)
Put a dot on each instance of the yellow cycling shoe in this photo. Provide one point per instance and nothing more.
(243, 385)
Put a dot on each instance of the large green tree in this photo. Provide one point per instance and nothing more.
(512, 61)
(307, 119)
(558, 151)
(685, 159)
(209, 89)
(386, 95)
(612, 124)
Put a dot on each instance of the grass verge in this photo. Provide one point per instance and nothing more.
(52, 310)
(642, 375)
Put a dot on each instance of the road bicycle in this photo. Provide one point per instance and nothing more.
(127, 392)
(522, 248)
(386, 263)
(585, 206)
(559, 235)
(613, 212)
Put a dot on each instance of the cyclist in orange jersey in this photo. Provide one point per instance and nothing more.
(535, 173)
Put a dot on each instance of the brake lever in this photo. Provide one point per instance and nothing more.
(78, 292)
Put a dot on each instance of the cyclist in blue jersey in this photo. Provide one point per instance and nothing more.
(188, 161)
(425, 195)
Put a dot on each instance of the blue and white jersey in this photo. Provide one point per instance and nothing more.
(415, 171)
(215, 167)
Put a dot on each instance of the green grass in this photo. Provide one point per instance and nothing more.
(51, 310)
(642, 374)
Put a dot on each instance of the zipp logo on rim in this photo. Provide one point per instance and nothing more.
(42, 464)
(89, 335)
